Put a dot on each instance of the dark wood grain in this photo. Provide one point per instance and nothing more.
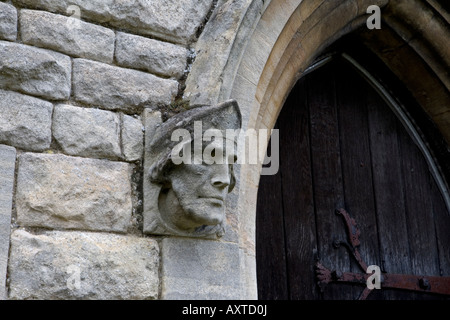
(341, 146)
(298, 200)
(327, 174)
(442, 227)
(270, 245)
(357, 163)
(423, 252)
(389, 190)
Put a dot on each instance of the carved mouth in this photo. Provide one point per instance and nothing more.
(215, 199)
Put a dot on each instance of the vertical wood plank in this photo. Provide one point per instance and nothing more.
(327, 177)
(298, 201)
(270, 244)
(356, 164)
(389, 190)
(442, 227)
(441, 216)
(417, 182)
(341, 146)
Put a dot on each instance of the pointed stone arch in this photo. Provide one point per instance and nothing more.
(255, 51)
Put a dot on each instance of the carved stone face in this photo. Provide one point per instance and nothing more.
(197, 193)
(183, 195)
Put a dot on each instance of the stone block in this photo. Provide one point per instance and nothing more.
(199, 270)
(150, 55)
(62, 192)
(87, 132)
(90, 266)
(7, 169)
(132, 138)
(35, 71)
(67, 35)
(118, 88)
(176, 21)
(226, 29)
(25, 122)
(152, 121)
(8, 22)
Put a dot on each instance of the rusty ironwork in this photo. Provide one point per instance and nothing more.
(353, 234)
(429, 284)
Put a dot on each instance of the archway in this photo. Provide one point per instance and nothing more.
(344, 145)
(266, 48)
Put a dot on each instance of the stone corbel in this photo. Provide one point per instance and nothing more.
(189, 171)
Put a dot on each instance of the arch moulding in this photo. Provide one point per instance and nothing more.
(254, 51)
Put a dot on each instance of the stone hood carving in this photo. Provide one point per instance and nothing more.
(188, 199)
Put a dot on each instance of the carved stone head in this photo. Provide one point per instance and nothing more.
(191, 171)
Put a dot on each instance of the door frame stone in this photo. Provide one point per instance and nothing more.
(261, 49)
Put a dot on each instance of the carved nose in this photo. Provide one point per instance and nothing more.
(221, 181)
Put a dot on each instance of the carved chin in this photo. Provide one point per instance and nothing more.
(209, 212)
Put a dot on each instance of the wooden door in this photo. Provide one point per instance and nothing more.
(341, 146)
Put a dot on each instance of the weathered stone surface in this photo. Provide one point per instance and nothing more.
(193, 203)
(68, 35)
(229, 30)
(25, 122)
(132, 138)
(199, 269)
(35, 71)
(150, 55)
(118, 88)
(8, 22)
(87, 132)
(152, 120)
(75, 265)
(176, 21)
(7, 168)
(62, 192)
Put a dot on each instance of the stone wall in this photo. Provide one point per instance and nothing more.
(83, 86)
(76, 78)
